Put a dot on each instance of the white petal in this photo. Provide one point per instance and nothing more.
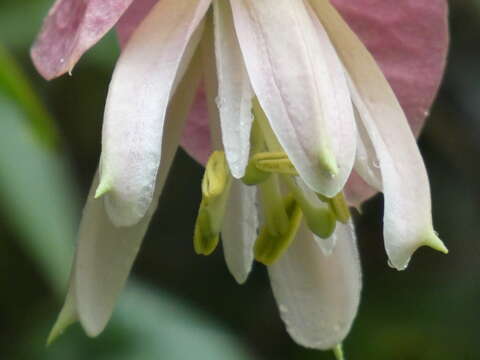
(326, 245)
(367, 164)
(300, 86)
(240, 230)
(105, 253)
(318, 295)
(68, 315)
(234, 91)
(407, 219)
(143, 82)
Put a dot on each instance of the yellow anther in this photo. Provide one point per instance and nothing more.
(276, 162)
(318, 216)
(270, 246)
(254, 176)
(205, 238)
(339, 206)
(321, 221)
(216, 176)
(215, 189)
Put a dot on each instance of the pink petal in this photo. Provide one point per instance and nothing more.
(409, 39)
(132, 18)
(196, 134)
(70, 29)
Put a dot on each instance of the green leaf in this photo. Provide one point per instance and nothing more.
(36, 194)
(147, 324)
(15, 85)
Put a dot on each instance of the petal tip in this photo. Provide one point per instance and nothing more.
(434, 242)
(103, 188)
(431, 240)
(64, 320)
(338, 352)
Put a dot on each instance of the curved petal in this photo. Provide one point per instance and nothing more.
(70, 29)
(104, 257)
(407, 219)
(105, 253)
(409, 40)
(132, 18)
(239, 230)
(143, 82)
(289, 67)
(235, 94)
(366, 161)
(318, 295)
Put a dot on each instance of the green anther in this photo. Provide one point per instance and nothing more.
(270, 247)
(339, 206)
(276, 162)
(215, 189)
(275, 215)
(216, 176)
(205, 238)
(321, 221)
(254, 176)
(319, 217)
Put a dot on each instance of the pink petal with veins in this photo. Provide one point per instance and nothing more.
(71, 28)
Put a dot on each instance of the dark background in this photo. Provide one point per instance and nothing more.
(429, 311)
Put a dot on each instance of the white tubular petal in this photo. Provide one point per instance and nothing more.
(326, 245)
(240, 230)
(301, 88)
(143, 82)
(234, 91)
(367, 164)
(68, 315)
(318, 295)
(407, 219)
(105, 253)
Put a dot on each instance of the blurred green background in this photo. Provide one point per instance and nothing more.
(180, 306)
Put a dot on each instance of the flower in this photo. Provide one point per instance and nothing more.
(298, 107)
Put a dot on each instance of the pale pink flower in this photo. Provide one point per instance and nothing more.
(328, 121)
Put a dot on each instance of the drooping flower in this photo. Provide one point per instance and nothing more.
(298, 108)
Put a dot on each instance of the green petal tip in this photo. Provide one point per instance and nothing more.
(103, 188)
(434, 242)
(338, 352)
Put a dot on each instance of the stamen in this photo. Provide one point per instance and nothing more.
(253, 175)
(215, 190)
(325, 157)
(269, 246)
(273, 205)
(277, 162)
(339, 206)
(318, 216)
